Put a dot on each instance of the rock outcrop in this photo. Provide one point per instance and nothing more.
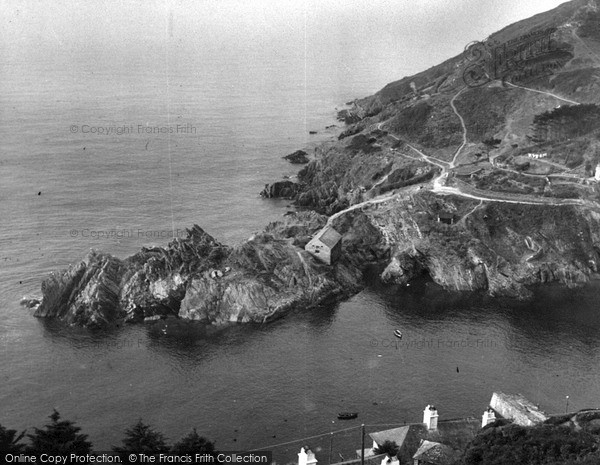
(197, 278)
(299, 157)
(280, 189)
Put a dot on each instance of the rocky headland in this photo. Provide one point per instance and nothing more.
(427, 178)
(198, 278)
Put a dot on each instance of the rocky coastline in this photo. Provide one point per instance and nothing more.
(500, 249)
(426, 179)
(410, 232)
(198, 278)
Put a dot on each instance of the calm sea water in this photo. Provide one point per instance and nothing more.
(63, 190)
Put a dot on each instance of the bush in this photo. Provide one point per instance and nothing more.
(538, 445)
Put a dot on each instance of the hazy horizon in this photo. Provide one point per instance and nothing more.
(393, 39)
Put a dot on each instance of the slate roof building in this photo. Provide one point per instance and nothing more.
(326, 246)
(434, 453)
(447, 437)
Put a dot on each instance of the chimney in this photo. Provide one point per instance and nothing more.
(387, 460)
(430, 417)
(306, 457)
(488, 417)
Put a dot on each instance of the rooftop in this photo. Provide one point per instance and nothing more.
(397, 435)
(435, 453)
(329, 236)
(454, 434)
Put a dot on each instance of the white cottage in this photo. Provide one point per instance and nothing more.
(306, 457)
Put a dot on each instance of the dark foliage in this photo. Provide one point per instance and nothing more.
(193, 443)
(10, 441)
(566, 122)
(539, 445)
(388, 447)
(411, 121)
(484, 111)
(59, 437)
(364, 144)
(590, 26)
(492, 142)
(142, 438)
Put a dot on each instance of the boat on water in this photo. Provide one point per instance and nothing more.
(398, 333)
(347, 415)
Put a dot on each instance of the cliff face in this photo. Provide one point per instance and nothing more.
(86, 294)
(497, 248)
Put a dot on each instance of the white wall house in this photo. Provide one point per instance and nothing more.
(488, 417)
(430, 417)
(306, 457)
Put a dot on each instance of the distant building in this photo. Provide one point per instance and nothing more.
(488, 417)
(430, 417)
(447, 436)
(446, 217)
(597, 175)
(326, 245)
(306, 457)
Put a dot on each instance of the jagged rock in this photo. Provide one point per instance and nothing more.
(86, 294)
(103, 289)
(281, 190)
(264, 277)
(30, 302)
(271, 277)
(299, 157)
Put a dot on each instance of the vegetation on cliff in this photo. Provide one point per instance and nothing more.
(567, 440)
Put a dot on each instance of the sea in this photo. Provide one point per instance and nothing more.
(118, 151)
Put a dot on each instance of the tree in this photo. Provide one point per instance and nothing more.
(193, 443)
(388, 447)
(9, 441)
(59, 437)
(142, 438)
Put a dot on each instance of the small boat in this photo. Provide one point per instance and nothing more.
(347, 415)
(398, 333)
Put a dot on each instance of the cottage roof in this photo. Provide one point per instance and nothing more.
(435, 453)
(329, 236)
(397, 435)
(446, 215)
